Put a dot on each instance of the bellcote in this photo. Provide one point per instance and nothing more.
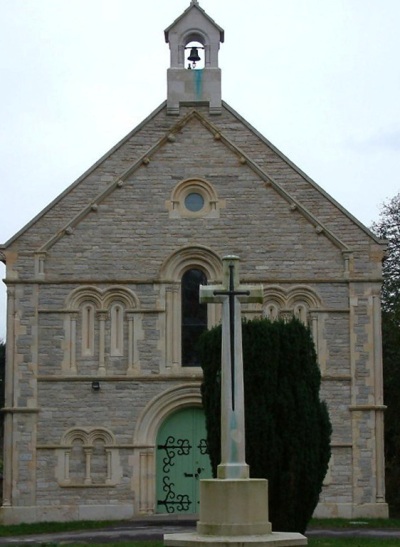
(186, 84)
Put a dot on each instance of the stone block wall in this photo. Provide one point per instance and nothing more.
(109, 255)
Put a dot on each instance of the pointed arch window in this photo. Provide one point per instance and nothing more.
(194, 315)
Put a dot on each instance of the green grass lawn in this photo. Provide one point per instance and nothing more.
(54, 527)
(50, 527)
(354, 523)
(353, 542)
(347, 542)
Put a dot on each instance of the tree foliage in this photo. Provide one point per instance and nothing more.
(287, 426)
(388, 228)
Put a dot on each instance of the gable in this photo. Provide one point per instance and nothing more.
(173, 149)
(199, 17)
(130, 222)
(177, 162)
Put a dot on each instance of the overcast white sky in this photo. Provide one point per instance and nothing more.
(319, 78)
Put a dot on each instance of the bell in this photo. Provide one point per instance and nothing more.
(194, 55)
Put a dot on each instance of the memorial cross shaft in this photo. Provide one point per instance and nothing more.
(231, 294)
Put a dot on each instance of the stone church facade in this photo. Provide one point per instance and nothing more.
(103, 411)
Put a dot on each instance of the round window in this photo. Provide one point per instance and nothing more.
(194, 202)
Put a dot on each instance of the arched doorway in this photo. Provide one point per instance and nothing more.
(181, 461)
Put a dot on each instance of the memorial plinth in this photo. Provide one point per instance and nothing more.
(234, 513)
(233, 507)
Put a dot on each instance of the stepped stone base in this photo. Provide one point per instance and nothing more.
(281, 539)
(234, 513)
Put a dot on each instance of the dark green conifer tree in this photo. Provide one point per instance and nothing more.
(287, 426)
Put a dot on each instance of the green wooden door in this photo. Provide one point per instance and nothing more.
(182, 460)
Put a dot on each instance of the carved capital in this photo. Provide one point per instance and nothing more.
(11, 292)
(102, 315)
(286, 315)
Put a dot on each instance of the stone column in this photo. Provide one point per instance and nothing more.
(109, 465)
(173, 326)
(67, 455)
(9, 399)
(69, 362)
(379, 422)
(133, 356)
(88, 461)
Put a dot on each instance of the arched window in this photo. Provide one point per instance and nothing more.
(194, 55)
(89, 458)
(301, 312)
(194, 315)
(117, 330)
(77, 462)
(88, 314)
(98, 462)
(271, 311)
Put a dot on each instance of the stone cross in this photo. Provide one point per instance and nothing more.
(231, 293)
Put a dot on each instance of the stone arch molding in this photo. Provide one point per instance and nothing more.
(88, 436)
(101, 299)
(88, 457)
(284, 302)
(189, 257)
(159, 408)
(299, 301)
(195, 35)
(171, 272)
(211, 203)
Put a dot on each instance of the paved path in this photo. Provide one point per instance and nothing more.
(155, 528)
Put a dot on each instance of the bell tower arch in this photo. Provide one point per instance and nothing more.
(185, 82)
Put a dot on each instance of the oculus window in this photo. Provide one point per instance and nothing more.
(194, 202)
(194, 198)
